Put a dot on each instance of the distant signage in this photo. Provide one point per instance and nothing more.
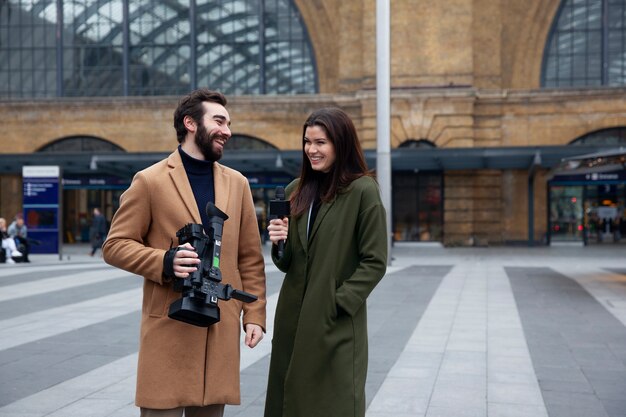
(268, 180)
(594, 177)
(41, 200)
(606, 176)
(72, 182)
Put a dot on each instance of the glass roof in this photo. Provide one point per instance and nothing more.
(238, 46)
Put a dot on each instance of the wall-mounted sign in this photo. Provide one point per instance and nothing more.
(42, 207)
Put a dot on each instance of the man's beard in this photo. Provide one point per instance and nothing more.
(204, 141)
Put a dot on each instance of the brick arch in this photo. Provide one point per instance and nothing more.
(242, 141)
(569, 135)
(619, 130)
(321, 22)
(417, 143)
(527, 42)
(80, 143)
(133, 123)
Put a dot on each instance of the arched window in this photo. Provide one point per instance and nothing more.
(420, 143)
(248, 142)
(153, 47)
(613, 136)
(81, 144)
(587, 45)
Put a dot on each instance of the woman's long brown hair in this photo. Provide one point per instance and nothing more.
(349, 160)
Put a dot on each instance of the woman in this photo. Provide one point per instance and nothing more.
(335, 253)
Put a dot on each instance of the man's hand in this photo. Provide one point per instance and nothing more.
(254, 334)
(185, 261)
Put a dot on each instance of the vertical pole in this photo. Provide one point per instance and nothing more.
(535, 164)
(126, 49)
(604, 49)
(531, 209)
(585, 218)
(548, 217)
(262, 82)
(193, 46)
(59, 48)
(383, 111)
(60, 221)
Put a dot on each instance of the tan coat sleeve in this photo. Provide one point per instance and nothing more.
(251, 262)
(126, 246)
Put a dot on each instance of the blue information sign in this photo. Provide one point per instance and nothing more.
(41, 196)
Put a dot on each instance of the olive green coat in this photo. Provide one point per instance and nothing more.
(319, 349)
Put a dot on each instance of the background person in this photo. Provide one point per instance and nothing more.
(19, 232)
(335, 254)
(8, 243)
(97, 231)
(184, 367)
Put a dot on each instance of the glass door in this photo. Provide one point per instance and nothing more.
(418, 206)
(566, 213)
(604, 213)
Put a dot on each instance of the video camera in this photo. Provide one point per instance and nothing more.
(203, 287)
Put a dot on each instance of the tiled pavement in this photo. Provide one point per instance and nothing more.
(511, 332)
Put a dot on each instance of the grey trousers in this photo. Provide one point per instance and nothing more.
(214, 410)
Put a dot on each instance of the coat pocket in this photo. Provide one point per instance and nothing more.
(335, 307)
(158, 300)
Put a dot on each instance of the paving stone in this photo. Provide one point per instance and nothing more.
(580, 375)
(494, 332)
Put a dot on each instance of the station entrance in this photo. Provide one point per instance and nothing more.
(418, 206)
(78, 205)
(588, 208)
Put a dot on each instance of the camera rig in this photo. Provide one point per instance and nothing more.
(203, 288)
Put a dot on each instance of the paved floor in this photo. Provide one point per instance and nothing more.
(511, 332)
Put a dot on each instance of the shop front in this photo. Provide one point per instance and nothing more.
(418, 206)
(83, 193)
(589, 208)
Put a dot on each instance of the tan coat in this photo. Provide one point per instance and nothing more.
(180, 364)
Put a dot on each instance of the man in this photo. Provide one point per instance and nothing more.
(184, 367)
(97, 231)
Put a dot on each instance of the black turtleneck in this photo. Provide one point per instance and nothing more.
(314, 210)
(200, 175)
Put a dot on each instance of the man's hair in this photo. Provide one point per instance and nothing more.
(349, 160)
(191, 105)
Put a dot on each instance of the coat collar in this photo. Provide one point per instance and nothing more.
(303, 221)
(221, 182)
(221, 185)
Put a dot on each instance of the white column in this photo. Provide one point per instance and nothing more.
(383, 112)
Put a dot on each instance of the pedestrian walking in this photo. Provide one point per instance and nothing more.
(97, 231)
